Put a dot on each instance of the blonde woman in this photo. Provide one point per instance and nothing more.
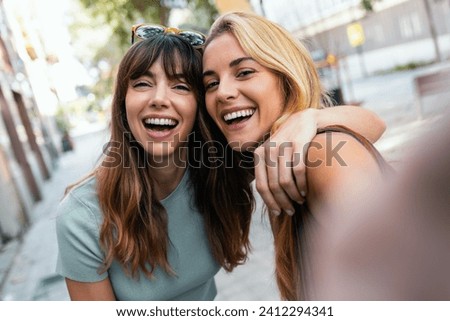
(255, 76)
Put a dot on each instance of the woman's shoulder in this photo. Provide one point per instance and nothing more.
(84, 192)
(335, 161)
(80, 205)
(337, 150)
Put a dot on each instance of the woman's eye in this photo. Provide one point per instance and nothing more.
(182, 87)
(211, 84)
(141, 84)
(245, 72)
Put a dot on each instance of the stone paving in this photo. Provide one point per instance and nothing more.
(31, 275)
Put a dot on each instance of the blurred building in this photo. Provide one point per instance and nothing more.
(27, 132)
(233, 5)
(395, 33)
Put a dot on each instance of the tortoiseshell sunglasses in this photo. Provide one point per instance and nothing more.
(143, 31)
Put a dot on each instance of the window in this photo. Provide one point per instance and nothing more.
(410, 25)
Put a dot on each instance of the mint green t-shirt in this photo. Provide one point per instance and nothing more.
(78, 224)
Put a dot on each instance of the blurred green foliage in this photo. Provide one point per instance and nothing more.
(368, 4)
(102, 30)
(120, 15)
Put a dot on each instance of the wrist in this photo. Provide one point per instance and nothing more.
(314, 116)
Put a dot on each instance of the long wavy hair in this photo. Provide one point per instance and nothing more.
(134, 230)
(273, 47)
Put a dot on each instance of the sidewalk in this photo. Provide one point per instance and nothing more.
(31, 263)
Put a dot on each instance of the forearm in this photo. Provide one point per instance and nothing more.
(280, 184)
(358, 119)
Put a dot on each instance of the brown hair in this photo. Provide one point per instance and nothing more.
(134, 229)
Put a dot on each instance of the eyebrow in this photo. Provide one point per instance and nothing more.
(180, 76)
(233, 63)
(147, 74)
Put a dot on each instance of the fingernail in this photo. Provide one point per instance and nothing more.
(303, 193)
(290, 212)
(275, 212)
(301, 202)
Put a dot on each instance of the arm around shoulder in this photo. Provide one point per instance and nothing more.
(358, 119)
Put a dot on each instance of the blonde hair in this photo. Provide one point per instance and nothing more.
(273, 47)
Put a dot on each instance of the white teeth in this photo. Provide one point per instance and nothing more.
(238, 114)
(160, 121)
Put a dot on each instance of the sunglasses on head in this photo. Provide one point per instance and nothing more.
(143, 31)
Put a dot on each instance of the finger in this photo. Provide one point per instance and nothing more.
(286, 175)
(261, 182)
(299, 168)
(272, 153)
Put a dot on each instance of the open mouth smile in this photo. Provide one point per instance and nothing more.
(238, 116)
(160, 124)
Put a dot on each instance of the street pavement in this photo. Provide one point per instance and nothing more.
(27, 266)
(31, 275)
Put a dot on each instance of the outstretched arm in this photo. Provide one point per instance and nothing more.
(280, 166)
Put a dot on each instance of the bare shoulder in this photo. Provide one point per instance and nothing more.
(335, 159)
(336, 150)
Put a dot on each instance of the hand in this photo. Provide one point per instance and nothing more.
(280, 170)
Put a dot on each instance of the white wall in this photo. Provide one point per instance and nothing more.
(390, 57)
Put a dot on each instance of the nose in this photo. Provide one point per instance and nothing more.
(160, 97)
(226, 90)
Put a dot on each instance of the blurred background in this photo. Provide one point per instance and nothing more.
(58, 59)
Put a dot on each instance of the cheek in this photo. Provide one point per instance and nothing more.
(129, 107)
(190, 119)
(277, 104)
(130, 115)
(280, 102)
(273, 111)
(210, 109)
(189, 111)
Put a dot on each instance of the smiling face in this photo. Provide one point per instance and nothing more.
(242, 96)
(160, 110)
